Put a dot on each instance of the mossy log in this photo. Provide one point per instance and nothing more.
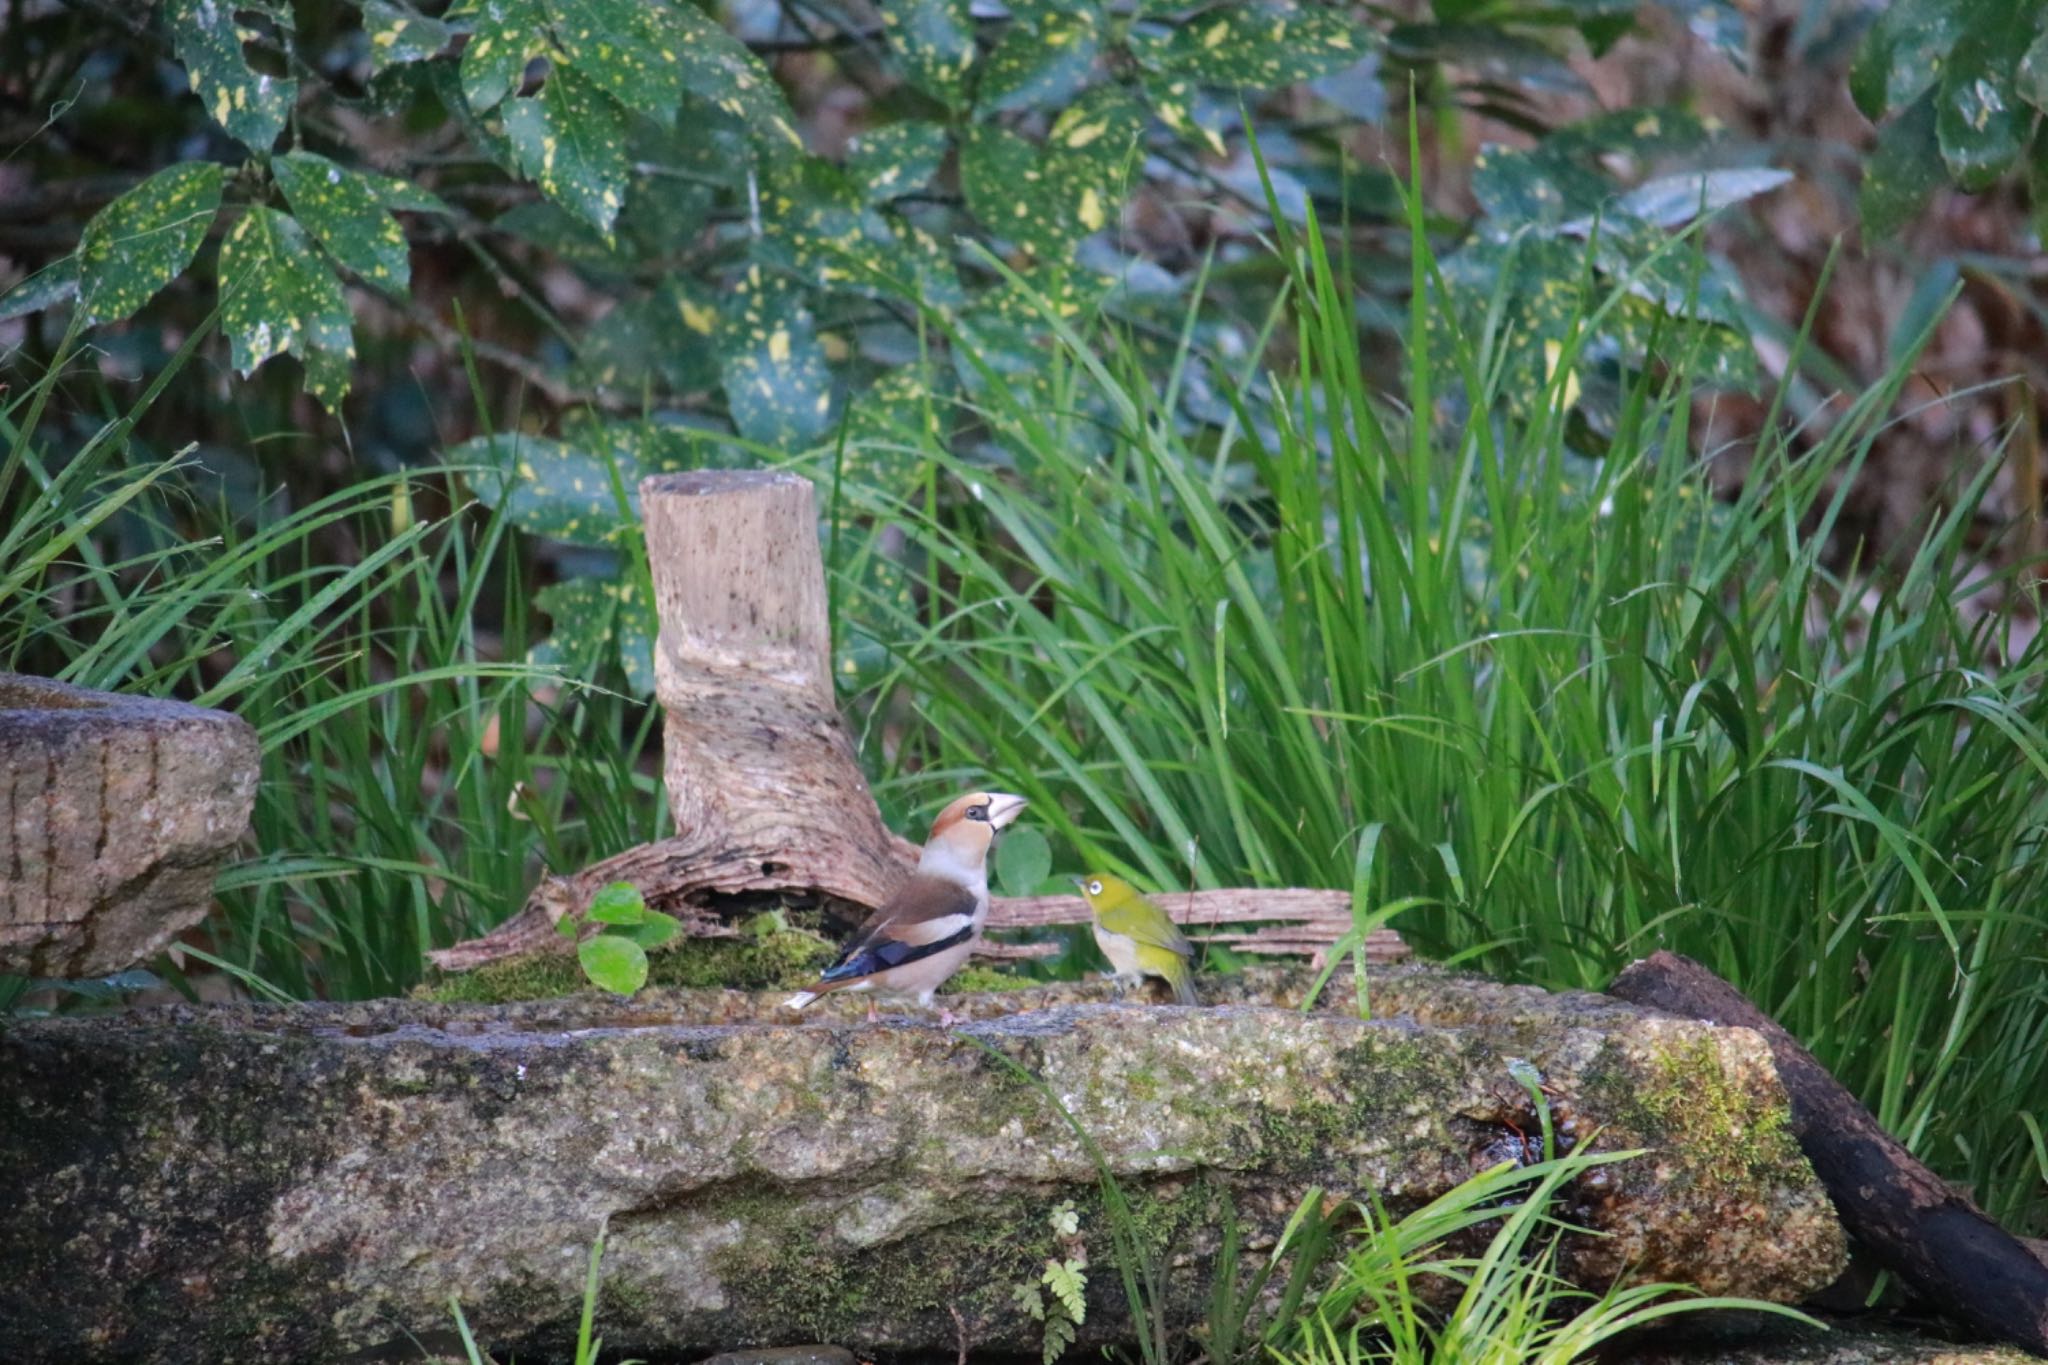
(300, 1183)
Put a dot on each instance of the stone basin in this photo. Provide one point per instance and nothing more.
(296, 1183)
(115, 814)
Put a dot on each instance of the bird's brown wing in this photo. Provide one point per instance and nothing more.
(927, 916)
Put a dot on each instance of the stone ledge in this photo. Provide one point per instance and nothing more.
(294, 1183)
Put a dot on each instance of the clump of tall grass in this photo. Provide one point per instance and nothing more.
(1568, 710)
(412, 782)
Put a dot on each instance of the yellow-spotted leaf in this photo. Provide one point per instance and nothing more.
(571, 141)
(596, 621)
(557, 489)
(1183, 107)
(716, 66)
(886, 162)
(893, 427)
(776, 382)
(55, 283)
(347, 214)
(629, 48)
(508, 36)
(1047, 198)
(399, 34)
(280, 297)
(1044, 60)
(250, 105)
(934, 39)
(1260, 44)
(145, 239)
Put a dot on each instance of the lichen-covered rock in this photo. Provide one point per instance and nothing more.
(297, 1183)
(115, 813)
(1842, 1347)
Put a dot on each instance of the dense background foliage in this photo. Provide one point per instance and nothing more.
(1407, 449)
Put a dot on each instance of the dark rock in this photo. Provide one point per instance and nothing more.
(115, 814)
(270, 1183)
(784, 1355)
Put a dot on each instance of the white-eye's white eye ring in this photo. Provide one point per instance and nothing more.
(1095, 888)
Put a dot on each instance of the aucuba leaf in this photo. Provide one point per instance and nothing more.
(249, 105)
(934, 39)
(509, 35)
(1043, 60)
(595, 621)
(626, 47)
(776, 382)
(279, 297)
(718, 67)
(613, 963)
(48, 287)
(571, 141)
(1258, 44)
(886, 162)
(1904, 171)
(143, 240)
(347, 214)
(399, 35)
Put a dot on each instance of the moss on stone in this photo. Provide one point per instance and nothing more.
(987, 979)
(1693, 1104)
(779, 959)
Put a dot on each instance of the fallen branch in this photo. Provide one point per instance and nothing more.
(1913, 1223)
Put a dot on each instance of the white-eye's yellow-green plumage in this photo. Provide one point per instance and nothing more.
(1137, 937)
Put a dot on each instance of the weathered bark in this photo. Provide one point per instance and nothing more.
(1913, 1222)
(115, 814)
(301, 1183)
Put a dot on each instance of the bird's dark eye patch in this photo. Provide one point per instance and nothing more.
(977, 812)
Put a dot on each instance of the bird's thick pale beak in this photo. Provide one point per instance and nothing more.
(1003, 808)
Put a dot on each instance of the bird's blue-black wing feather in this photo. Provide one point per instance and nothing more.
(865, 959)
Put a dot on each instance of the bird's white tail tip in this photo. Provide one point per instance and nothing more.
(799, 1000)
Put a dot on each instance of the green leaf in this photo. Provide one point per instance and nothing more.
(655, 930)
(571, 141)
(402, 195)
(399, 35)
(279, 297)
(1516, 189)
(347, 214)
(934, 39)
(142, 241)
(251, 106)
(886, 162)
(1023, 860)
(509, 35)
(628, 49)
(1904, 53)
(1048, 198)
(650, 340)
(596, 620)
(716, 66)
(1670, 200)
(53, 284)
(2032, 79)
(1182, 108)
(1043, 60)
(1904, 171)
(617, 903)
(1255, 44)
(554, 488)
(1980, 119)
(776, 381)
(567, 926)
(613, 963)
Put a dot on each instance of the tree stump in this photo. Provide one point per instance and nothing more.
(115, 814)
(763, 783)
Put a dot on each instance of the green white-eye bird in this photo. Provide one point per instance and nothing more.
(1137, 936)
